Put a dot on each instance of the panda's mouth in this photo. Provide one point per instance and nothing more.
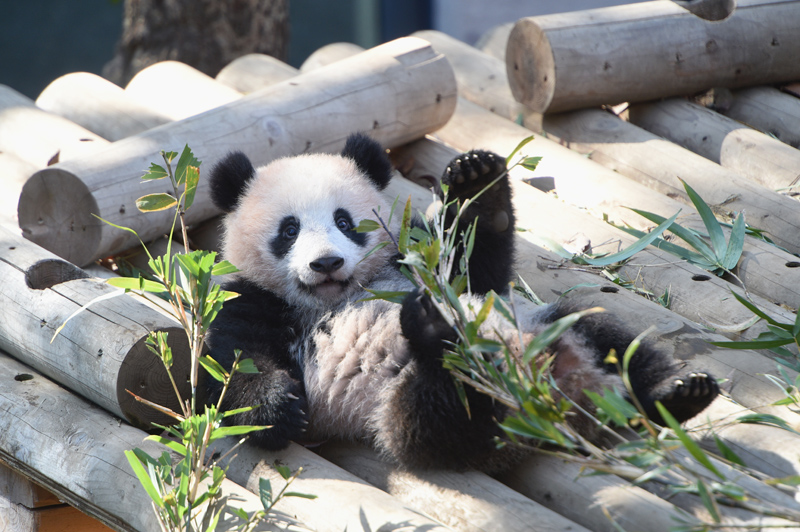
(327, 288)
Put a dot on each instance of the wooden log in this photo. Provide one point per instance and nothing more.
(648, 50)
(15, 517)
(468, 501)
(769, 110)
(40, 138)
(764, 269)
(20, 490)
(345, 501)
(177, 91)
(495, 40)
(658, 163)
(481, 78)
(330, 53)
(13, 174)
(741, 149)
(76, 450)
(252, 72)
(98, 105)
(101, 351)
(397, 91)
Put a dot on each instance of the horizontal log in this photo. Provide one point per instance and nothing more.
(98, 105)
(743, 150)
(101, 351)
(468, 501)
(765, 269)
(177, 91)
(658, 164)
(398, 91)
(76, 450)
(330, 53)
(40, 138)
(252, 72)
(495, 40)
(345, 501)
(769, 110)
(13, 174)
(648, 50)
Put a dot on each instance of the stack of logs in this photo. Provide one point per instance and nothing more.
(80, 149)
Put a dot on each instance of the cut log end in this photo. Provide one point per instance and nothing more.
(142, 373)
(47, 273)
(530, 65)
(54, 211)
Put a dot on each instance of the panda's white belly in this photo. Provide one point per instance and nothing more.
(354, 360)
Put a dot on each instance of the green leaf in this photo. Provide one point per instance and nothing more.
(283, 471)
(367, 226)
(155, 172)
(213, 368)
(687, 442)
(172, 444)
(236, 430)
(404, 239)
(144, 478)
(392, 297)
(530, 163)
(766, 419)
(156, 202)
(301, 495)
(735, 244)
(552, 332)
(522, 144)
(727, 452)
(247, 366)
(265, 492)
(709, 220)
(192, 178)
(186, 161)
(753, 344)
(688, 236)
(223, 267)
(132, 283)
(708, 500)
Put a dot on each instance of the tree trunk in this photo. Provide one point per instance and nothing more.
(206, 34)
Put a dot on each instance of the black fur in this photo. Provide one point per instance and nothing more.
(262, 326)
(287, 232)
(370, 157)
(229, 178)
(350, 232)
(492, 259)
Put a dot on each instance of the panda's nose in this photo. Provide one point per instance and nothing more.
(326, 264)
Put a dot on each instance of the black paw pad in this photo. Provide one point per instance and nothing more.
(685, 397)
(472, 170)
(423, 325)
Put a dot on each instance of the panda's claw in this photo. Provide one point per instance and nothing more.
(685, 397)
(292, 396)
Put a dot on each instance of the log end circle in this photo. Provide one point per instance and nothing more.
(55, 211)
(142, 373)
(530, 65)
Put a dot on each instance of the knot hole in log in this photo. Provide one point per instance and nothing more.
(47, 273)
(711, 10)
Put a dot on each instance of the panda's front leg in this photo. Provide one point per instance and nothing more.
(468, 175)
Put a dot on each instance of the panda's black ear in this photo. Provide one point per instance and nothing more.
(229, 177)
(370, 157)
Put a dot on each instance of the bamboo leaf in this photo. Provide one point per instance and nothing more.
(192, 178)
(237, 430)
(186, 161)
(213, 368)
(684, 234)
(84, 307)
(708, 500)
(522, 144)
(144, 478)
(687, 442)
(223, 267)
(265, 492)
(154, 173)
(156, 202)
(727, 452)
(735, 244)
(530, 163)
(709, 220)
(172, 444)
(367, 226)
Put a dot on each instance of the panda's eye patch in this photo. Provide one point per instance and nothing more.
(286, 235)
(344, 222)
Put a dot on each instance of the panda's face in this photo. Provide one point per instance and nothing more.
(293, 231)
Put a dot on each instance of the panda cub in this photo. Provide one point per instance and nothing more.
(332, 365)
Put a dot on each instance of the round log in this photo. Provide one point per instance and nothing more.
(397, 92)
(252, 72)
(469, 501)
(98, 105)
(741, 149)
(330, 53)
(13, 174)
(769, 110)
(177, 91)
(101, 352)
(40, 138)
(765, 269)
(481, 78)
(648, 50)
(658, 163)
(346, 502)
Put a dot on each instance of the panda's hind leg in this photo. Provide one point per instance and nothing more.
(467, 175)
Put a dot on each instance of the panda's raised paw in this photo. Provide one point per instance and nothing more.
(687, 396)
(470, 172)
